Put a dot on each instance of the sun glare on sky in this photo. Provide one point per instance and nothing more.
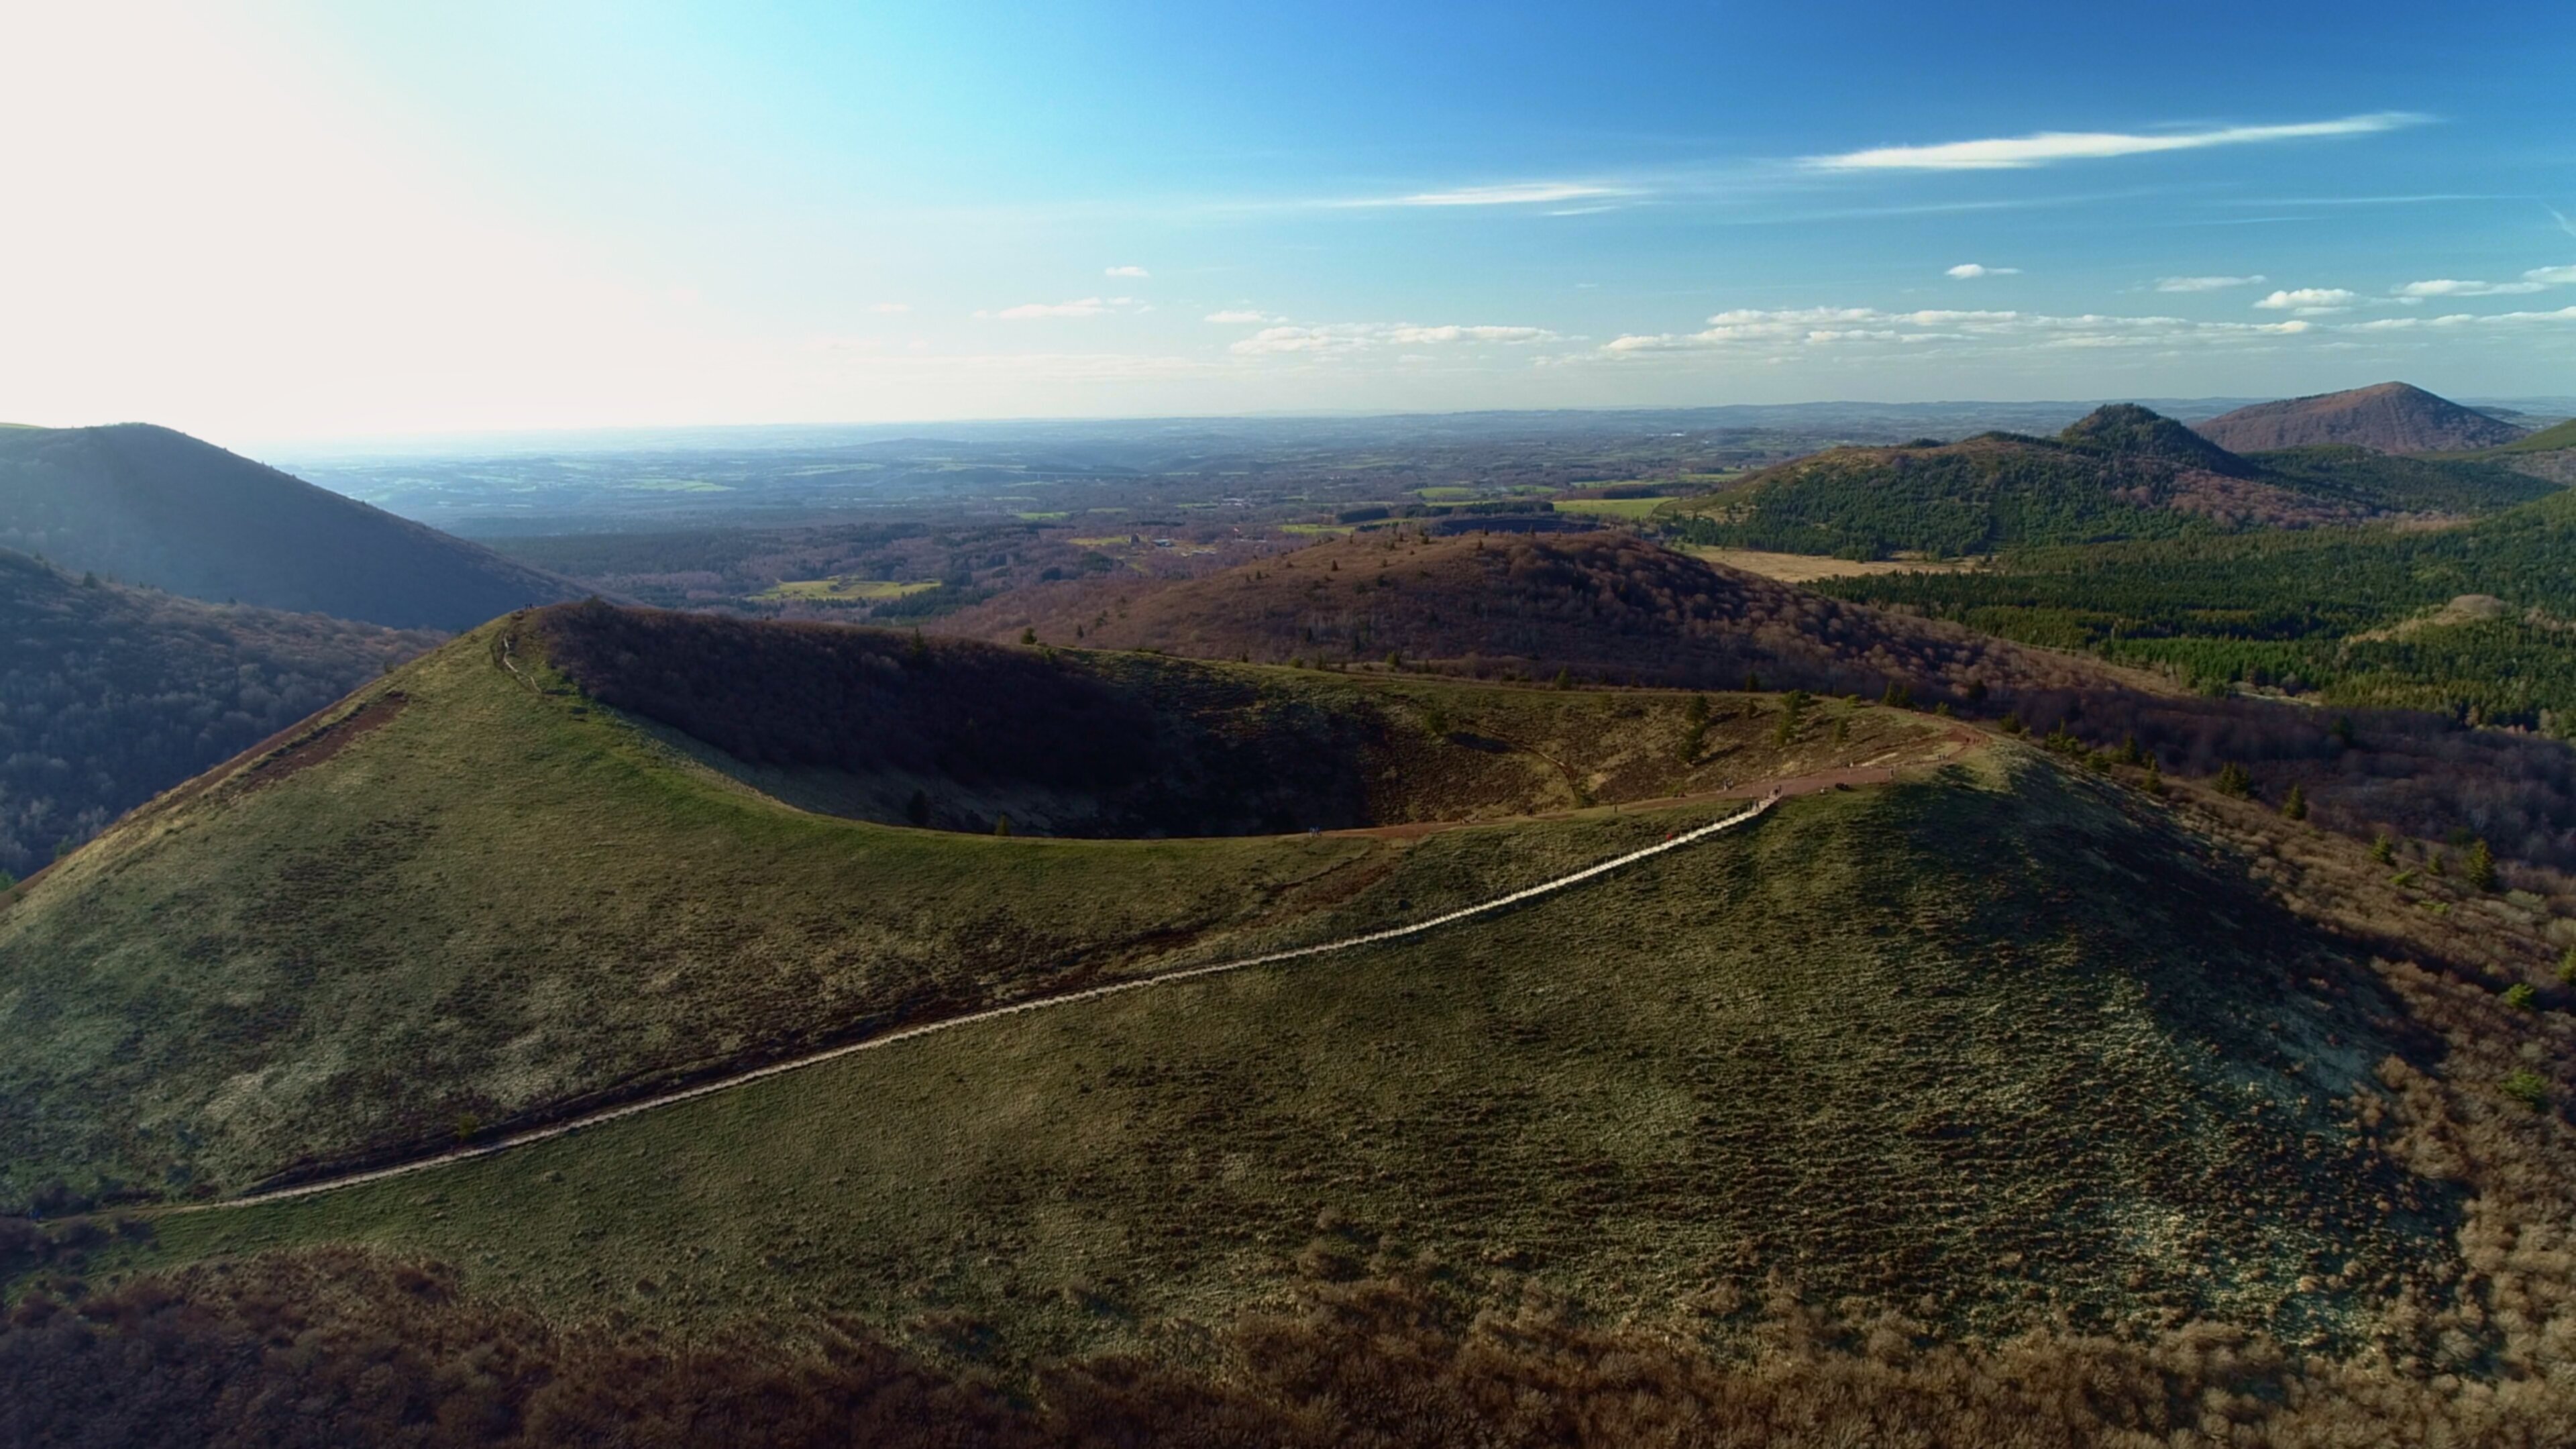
(275, 221)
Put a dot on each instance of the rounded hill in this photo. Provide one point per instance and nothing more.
(2129, 1102)
(2127, 428)
(1932, 1056)
(2388, 417)
(1599, 607)
(147, 505)
(479, 893)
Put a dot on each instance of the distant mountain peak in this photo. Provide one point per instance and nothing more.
(2386, 417)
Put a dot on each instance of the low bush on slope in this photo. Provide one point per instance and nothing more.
(394, 1353)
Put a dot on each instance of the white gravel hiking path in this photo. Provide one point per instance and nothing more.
(1042, 1003)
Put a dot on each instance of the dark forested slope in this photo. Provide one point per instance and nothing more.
(147, 505)
(109, 695)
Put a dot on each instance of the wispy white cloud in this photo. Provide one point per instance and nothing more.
(1126, 272)
(2552, 276)
(2454, 287)
(2419, 198)
(1759, 330)
(1516, 193)
(2047, 147)
(1969, 271)
(2207, 284)
(1778, 334)
(2308, 301)
(1342, 338)
(2560, 217)
(1079, 307)
(2462, 319)
(1239, 316)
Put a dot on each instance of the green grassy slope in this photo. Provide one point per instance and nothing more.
(147, 505)
(1997, 1049)
(2549, 454)
(2547, 440)
(470, 896)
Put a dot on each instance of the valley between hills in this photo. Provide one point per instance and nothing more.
(1342, 988)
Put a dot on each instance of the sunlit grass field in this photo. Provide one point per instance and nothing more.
(1985, 1041)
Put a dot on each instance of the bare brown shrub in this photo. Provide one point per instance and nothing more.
(336, 1347)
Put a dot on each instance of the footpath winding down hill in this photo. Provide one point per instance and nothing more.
(146, 505)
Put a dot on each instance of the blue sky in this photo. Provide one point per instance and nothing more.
(276, 221)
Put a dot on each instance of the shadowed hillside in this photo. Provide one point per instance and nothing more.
(1602, 607)
(875, 725)
(2121, 473)
(110, 695)
(146, 505)
(2389, 417)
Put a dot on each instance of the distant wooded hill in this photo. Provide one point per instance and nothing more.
(146, 505)
(2390, 417)
(2121, 473)
(2549, 453)
(110, 695)
(1601, 607)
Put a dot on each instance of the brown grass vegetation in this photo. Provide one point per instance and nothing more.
(2403, 772)
(1907, 946)
(1613, 609)
(336, 1347)
(1804, 568)
(2388, 417)
(1601, 608)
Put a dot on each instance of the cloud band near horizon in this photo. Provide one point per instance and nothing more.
(2046, 147)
